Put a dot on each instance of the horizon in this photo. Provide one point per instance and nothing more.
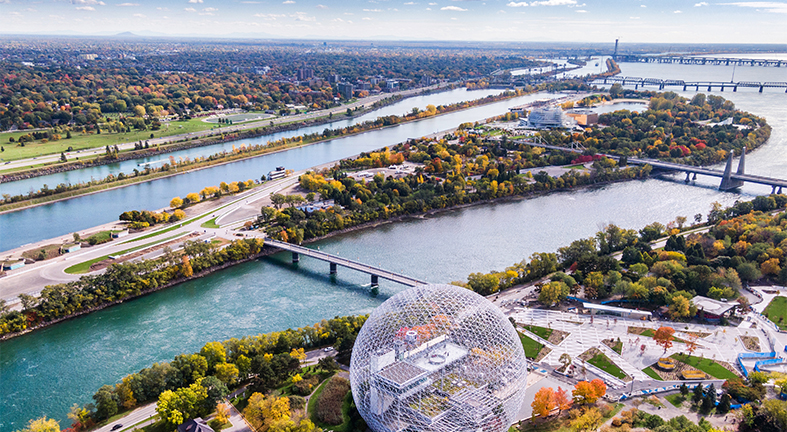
(547, 21)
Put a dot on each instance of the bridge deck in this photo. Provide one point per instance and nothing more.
(364, 268)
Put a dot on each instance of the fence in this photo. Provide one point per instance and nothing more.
(748, 356)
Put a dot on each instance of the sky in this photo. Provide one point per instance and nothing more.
(662, 21)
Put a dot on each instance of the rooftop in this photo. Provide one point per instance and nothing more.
(401, 373)
(712, 306)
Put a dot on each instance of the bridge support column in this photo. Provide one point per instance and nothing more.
(727, 182)
(375, 281)
(295, 257)
(761, 89)
(694, 177)
(780, 190)
(684, 88)
(688, 177)
(735, 89)
(333, 268)
(773, 189)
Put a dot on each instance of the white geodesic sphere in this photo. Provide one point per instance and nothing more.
(438, 358)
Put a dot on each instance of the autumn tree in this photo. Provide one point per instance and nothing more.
(553, 292)
(186, 269)
(544, 402)
(691, 343)
(176, 202)
(589, 392)
(562, 401)
(663, 337)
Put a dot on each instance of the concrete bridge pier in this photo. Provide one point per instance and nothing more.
(694, 177)
(295, 257)
(684, 87)
(333, 268)
(375, 281)
(688, 176)
(761, 89)
(735, 89)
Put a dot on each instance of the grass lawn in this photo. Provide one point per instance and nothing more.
(84, 267)
(651, 373)
(604, 363)
(777, 311)
(532, 348)
(100, 237)
(80, 141)
(676, 399)
(708, 366)
(50, 251)
(541, 332)
(211, 223)
(577, 166)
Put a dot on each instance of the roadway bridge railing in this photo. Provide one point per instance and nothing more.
(688, 85)
(335, 260)
(718, 61)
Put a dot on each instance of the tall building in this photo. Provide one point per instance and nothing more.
(346, 90)
(304, 74)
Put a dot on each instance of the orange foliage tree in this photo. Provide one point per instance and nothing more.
(663, 337)
(589, 392)
(544, 402)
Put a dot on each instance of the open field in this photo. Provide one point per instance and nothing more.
(603, 362)
(532, 348)
(776, 311)
(708, 366)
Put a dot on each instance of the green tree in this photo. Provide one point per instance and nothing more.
(553, 292)
(214, 353)
(106, 402)
(483, 284)
(215, 391)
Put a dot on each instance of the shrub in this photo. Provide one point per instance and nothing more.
(329, 405)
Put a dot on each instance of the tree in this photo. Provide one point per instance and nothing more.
(268, 213)
(483, 284)
(589, 392)
(565, 360)
(589, 420)
(562, 401)
(186, 270)
(544, 402)
(63, 157)
(263, 412)
(663, 337)
(724, 404)
(278, 200)
(684, 390)
(214, 353)
(215, 390)
(226, 372)
(175, 407)
(680, 307)
(698, 394)
(176, 202)
(106, 402)
(42, 424)
(553, 292)
(770, 267)
(691, 343)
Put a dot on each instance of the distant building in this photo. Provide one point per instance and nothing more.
(375, 81)
(712, 310)
(195, 425)
(87, 56)
(304, 74)
(315, 206)
(346, 90)
(392, 86)
(278, 173)
(548, 118)
(613, 310)
(364, 86)
(584, 117)
(333, 79)
(13, 265)
(426, 80)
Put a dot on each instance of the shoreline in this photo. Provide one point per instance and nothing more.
(245, 158)
(269, 250)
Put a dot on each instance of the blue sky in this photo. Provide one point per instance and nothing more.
(667, 21)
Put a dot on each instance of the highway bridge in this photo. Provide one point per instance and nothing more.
(729, 180)
(693, 60)
(335, 261)
(638, 82)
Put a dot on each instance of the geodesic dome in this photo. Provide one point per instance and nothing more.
(438, 358)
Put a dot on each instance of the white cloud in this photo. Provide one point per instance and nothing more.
(210, 9)
(581, 11)
(301, 16)
(517, 4)
(139, 15)
(269, 17)
(288, 2)
(196, 1)
(410, 3)
(86, 8)
(432, 4)
(366, 19)
(14, 13)
(677, 11)
(190, 10)
(700, 4)
(88, 2)
(372, 10)
(453, 8)
(772, 7)
(321, 6)
(163, 9)
(642, 6)
(128, 4)
(634, 18)
(554, 3)
(251, 2)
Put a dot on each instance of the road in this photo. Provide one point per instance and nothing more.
(98, 151)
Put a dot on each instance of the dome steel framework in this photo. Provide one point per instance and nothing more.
(438, 358)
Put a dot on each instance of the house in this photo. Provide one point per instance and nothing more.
(195, 425)
(712, 310)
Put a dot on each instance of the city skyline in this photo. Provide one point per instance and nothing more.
(673, 21)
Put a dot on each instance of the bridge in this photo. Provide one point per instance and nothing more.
(638, 82)
(335, 261)
(719, 61)
(729, 180)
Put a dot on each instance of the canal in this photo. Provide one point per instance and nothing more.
(45, 372)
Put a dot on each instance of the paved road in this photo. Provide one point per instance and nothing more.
(360, 103)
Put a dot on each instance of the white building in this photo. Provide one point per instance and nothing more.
(548, 118)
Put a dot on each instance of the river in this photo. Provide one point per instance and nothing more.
(45, 372)
(68, 216)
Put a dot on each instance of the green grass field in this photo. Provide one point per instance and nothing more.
(708, 366)
(80, 141)
(84, 267)
(211, 223)
(604, 363)
(676, 399)
(541, 332)
(776, 311)
(651, 373)
(532, 348)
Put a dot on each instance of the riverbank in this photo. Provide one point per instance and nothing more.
(223, 158)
